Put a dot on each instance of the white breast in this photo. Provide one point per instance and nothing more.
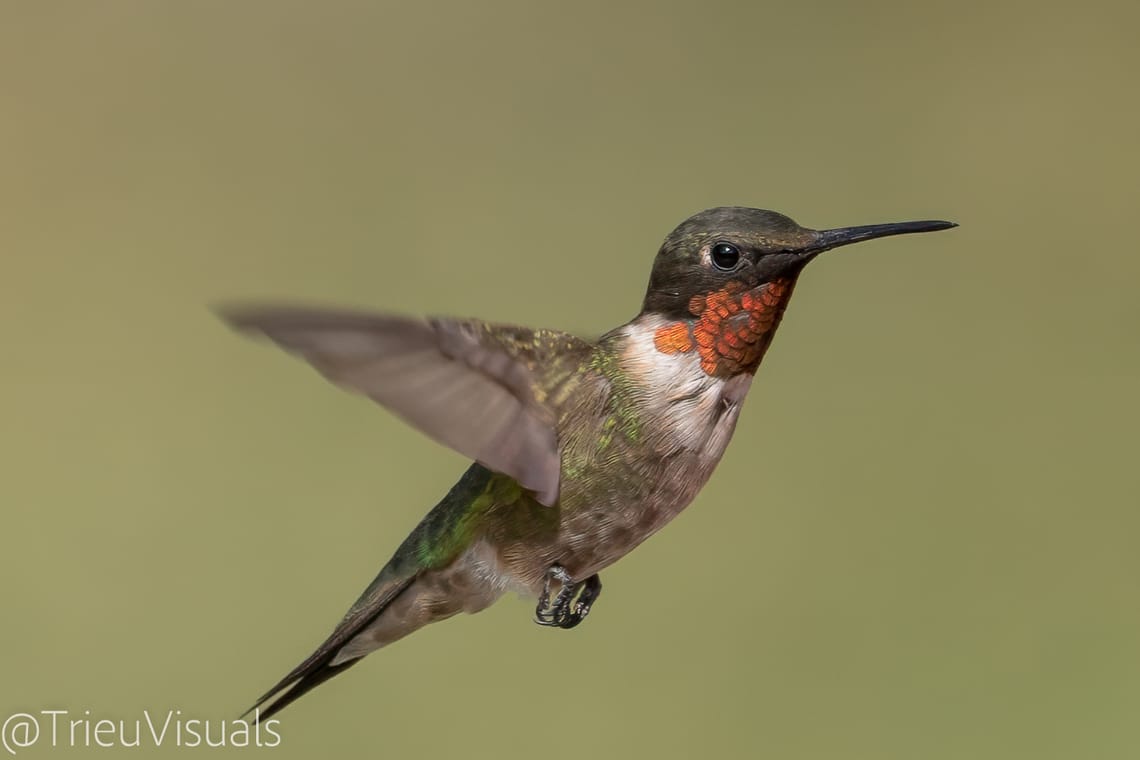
(691, 410)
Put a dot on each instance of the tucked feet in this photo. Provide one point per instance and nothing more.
(564, 611)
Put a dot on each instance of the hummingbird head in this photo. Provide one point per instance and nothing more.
(748, 246)
(722, 279)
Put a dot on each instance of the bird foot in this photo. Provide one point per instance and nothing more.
(565, 611)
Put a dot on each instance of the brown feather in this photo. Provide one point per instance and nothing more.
(451, 379)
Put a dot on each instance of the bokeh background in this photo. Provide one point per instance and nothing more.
(923, 542)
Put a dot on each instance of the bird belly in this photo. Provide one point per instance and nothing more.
(638, 477)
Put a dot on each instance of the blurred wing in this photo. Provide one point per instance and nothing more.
(450, 378)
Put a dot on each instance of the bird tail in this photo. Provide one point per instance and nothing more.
(318, 667)
(310, 680)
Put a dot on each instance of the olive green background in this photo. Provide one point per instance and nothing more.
(923, 541)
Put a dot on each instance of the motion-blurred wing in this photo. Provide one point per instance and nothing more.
(464, 383)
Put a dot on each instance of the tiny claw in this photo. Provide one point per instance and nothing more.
(557, 613)
(564, 612)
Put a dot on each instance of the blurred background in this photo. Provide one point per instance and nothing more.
(923, 540)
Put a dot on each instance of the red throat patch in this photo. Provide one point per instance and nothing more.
(732, 329)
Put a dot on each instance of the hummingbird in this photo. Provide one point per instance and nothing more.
(582, 449)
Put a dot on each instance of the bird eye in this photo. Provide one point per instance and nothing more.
(725, 256)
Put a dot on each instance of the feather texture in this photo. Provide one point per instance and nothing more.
(467, 385)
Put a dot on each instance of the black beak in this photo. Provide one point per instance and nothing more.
(828, 239)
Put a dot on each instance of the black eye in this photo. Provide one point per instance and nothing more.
(725, 256)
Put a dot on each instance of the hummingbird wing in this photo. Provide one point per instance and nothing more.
(469, 385)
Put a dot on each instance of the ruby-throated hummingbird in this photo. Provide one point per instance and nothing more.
(583, 449)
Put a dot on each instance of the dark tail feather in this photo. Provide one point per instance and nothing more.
(302, 686)
(316, 669)
(314, 665)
